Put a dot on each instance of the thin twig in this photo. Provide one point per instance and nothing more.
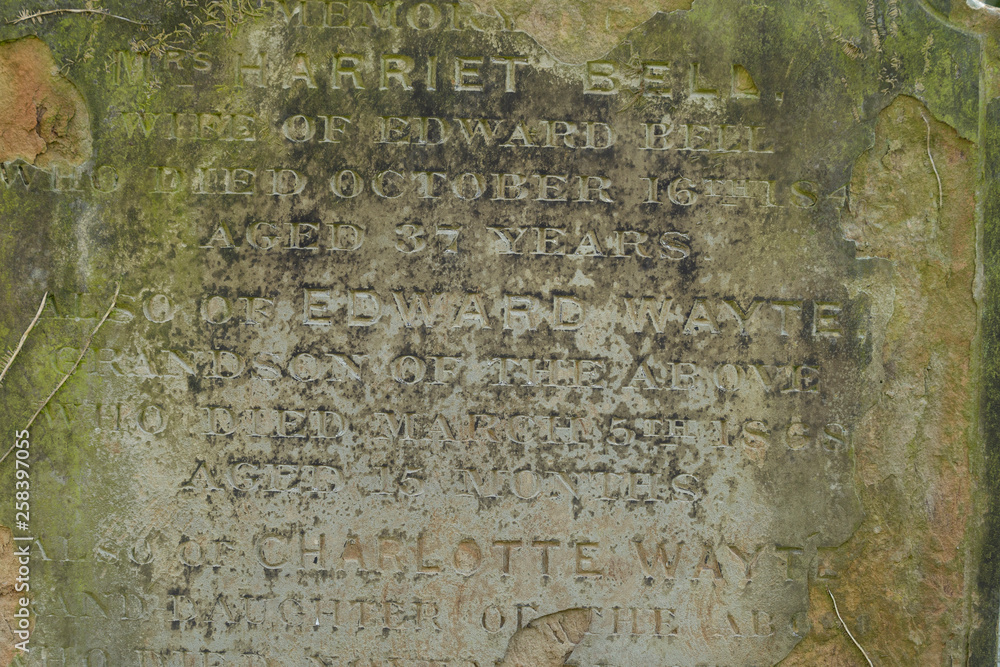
(24, 337)
(933, 166)
(86, 346)
(5, 453)
(847, 629)
(102, 12)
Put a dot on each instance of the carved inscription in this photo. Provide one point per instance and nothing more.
(463, 352)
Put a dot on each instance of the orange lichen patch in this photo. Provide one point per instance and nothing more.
(578, 30)
(901, 577)
(8, 596)
(44, 119)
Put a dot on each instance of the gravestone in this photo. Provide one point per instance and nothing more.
(422, 333)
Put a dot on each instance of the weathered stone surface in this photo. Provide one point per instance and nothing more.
(45, 121)
(502, 334)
